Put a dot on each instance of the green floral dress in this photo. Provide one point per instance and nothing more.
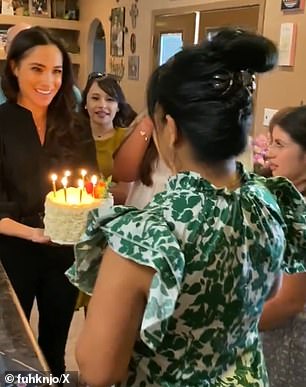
(216, 254)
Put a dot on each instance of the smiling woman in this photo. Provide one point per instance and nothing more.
(37, 83)
(39, 76)
(105, 106)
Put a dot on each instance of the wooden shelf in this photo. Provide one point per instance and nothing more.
(41, 21)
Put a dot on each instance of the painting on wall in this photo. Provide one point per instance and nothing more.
(133, 67)
(117, 31)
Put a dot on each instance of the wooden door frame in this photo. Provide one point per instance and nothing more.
(222, 5)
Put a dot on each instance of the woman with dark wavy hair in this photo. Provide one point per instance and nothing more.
(107, 115)
(182, 283)
(37, 138)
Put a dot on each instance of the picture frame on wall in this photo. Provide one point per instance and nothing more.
(292, 5)
(3, 38)
(117, 31)
(133, 67)
(287, 44)
(40, 8)
(7, 7)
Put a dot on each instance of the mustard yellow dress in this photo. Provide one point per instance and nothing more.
(106, 148)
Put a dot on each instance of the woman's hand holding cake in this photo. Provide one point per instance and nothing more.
(38, 236)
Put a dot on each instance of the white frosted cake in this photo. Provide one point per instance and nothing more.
(66, 215)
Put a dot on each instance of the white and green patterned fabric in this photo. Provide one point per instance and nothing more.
(216, 254)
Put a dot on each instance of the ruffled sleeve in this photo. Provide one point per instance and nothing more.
(145, 238)
(292, 206)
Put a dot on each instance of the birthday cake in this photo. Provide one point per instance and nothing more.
(66, 212)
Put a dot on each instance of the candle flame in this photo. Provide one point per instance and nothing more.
(67, 173)
(64, 181)
(54, 177)
(83, 173)
(94, 179)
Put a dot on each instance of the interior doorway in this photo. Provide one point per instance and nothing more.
(189, 25)
(171, 33)
(97, 39)
(243, 17)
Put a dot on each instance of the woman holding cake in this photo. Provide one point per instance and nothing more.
(193, 269)
(105, 106)
(37, 138)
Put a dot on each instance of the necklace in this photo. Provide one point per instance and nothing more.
(104, 135)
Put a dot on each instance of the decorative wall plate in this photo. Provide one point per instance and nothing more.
(133, 43)
(292, 5)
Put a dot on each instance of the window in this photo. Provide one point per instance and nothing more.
(170, 44)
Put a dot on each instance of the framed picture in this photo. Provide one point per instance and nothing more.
(287, 44)
(133, 67)
(7, 7)
(292, 5)
(3, 38)
(40, 8)
(117, 31)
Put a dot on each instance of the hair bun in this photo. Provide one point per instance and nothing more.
(241, 50)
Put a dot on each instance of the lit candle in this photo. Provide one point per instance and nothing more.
(83, 174)
(81, 186)
(94, 180)
(66, 174)
(65, 182)
(54, 178)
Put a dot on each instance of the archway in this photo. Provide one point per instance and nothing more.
(98, 46)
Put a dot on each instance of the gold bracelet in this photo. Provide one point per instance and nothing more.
(144, 135)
